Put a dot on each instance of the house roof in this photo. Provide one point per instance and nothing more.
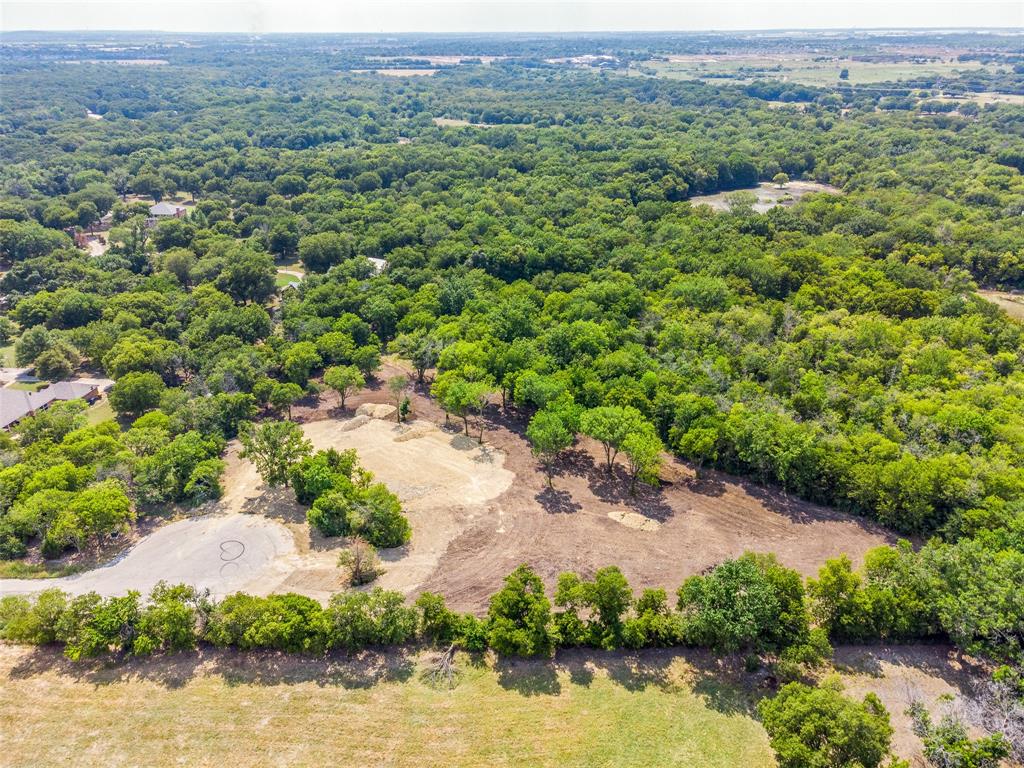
(64, 390)
(14, 405)
(164, 209)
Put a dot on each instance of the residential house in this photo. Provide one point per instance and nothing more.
(16, 404)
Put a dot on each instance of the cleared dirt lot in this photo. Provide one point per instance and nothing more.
(1011, 303)
(768, 195)
(588, 520)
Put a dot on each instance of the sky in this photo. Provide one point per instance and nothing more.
(264, 16)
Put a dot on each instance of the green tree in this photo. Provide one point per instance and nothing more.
(643, 450)
(548, 437)
(283, 396)
(610, 425)
(322, 251)
(299, 361)
(519, 616)
(345, 380)
(135, 393)
(820, 728)
(273, 447)
(397, 386)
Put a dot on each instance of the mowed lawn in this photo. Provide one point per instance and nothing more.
(228, 709)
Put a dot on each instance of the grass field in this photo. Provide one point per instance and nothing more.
(101, 411)
(7, 356)
(222, 709)
(745, 69)
(28, 386)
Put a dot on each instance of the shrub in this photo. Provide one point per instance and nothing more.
(286, 622)
(356, 620)
(361, 561)
(519, 617)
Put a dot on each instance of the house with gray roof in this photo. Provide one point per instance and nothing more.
(17, 404)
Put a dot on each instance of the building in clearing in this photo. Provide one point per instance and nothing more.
(16, 404)
(164, 210)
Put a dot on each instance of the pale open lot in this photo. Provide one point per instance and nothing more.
(768, 195)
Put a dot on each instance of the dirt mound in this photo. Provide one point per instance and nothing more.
(376, 410)
(634, 520)
(416, 430)
(354, 423)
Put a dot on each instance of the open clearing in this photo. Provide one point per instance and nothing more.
(768, 195)
(1011, 303)
(476, 513)
(218, 709)
(586, 708)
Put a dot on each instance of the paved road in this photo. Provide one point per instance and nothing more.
(224, 553)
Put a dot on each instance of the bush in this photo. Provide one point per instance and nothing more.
(170, 621)
(331, 514)
(286, 622)
(361, 561)
(519, 617)
(356, 620)
(438, 624)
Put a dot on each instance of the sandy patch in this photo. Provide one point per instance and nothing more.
(768, 195)
(634, 520)
(426, 473)
(1011, 303)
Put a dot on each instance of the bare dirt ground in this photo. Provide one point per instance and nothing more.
(768, 195)
(588, 520)
(900, 675)
(1011, 303)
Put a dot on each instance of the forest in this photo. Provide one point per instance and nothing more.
(542, 254)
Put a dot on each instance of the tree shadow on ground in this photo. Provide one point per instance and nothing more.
(637, 672)
(940, 660)
(362, 670)
(706, 484)
(725, 686)
(279, 504)
(528, 677)
(172, 670)
(557, 502)
(646, 500)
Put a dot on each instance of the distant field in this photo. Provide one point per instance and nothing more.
(224, 709)
(745, 69)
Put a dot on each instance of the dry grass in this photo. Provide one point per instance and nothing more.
(221, 709)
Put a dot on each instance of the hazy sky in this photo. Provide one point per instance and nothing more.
(502, 15)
